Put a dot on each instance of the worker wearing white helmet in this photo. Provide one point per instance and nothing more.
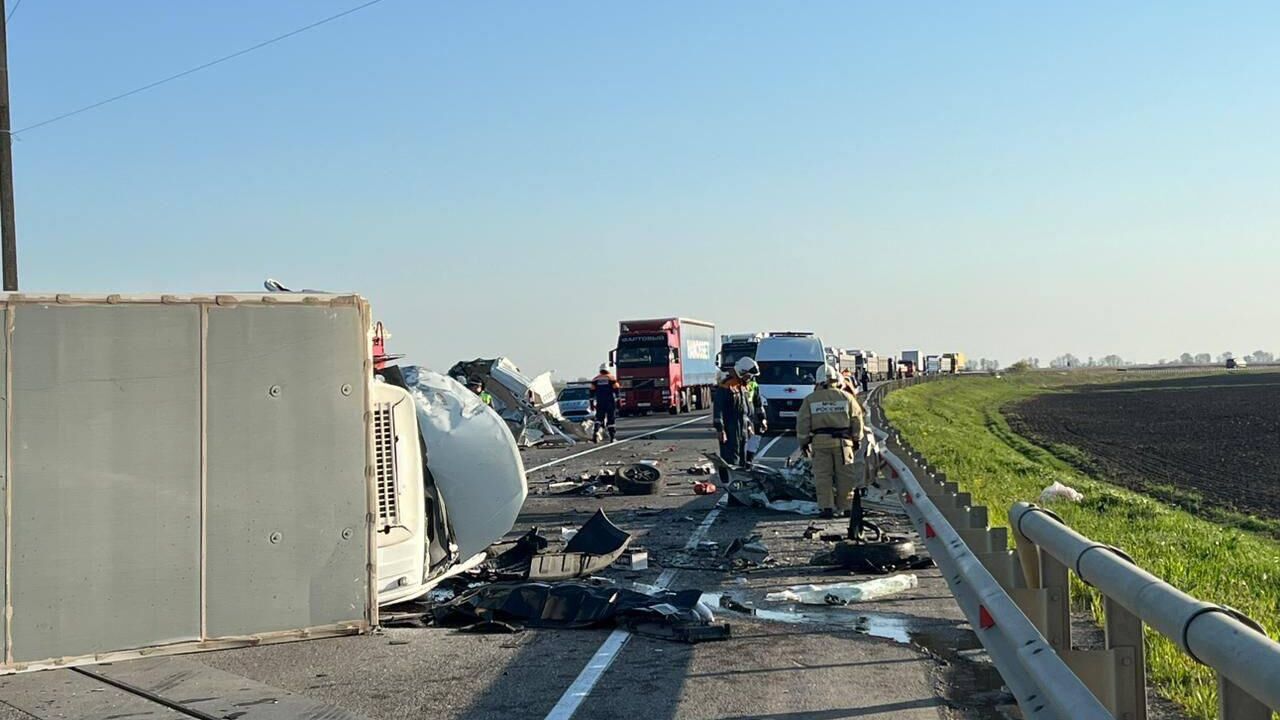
(829, 428)
(735, 413)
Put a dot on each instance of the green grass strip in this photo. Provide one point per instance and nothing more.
(957, 424)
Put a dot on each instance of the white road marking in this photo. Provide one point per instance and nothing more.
(604, 657)
(765, 450)
(606, 446)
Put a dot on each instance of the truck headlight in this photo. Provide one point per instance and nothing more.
(660, 382)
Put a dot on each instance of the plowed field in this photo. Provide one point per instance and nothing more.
(1209, 439)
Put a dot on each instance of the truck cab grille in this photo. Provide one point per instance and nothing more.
(384, 463)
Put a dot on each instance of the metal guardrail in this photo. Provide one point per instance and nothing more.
(1041, 682)
(1247, 662)
(1035, 581)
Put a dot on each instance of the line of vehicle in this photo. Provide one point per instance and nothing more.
(600, 661)
(606, 446)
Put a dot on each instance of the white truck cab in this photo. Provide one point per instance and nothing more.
(789, 364)
(448, 477)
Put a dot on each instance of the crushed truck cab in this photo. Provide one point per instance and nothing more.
(448, 477)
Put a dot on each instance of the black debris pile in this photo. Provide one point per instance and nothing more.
(665, 614)
(892, 553)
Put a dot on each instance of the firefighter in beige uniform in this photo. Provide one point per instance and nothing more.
(829, 426)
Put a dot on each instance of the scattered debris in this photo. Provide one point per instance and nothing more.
(592, 548)
(504, 606)
(1058, 491)
(845, 593)
(704, 468)
(528, 405)
(704, 488)
(729, 603)
(746, 552)
(634, 560)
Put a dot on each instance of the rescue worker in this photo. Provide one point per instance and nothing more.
(737, 413)
(477, 387)
(865, 380)
(604, 401)
(829, 428)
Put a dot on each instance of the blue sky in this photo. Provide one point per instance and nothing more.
(1006, 179)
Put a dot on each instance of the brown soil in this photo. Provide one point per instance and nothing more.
(1201, 440)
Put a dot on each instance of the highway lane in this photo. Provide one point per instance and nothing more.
(875, 661)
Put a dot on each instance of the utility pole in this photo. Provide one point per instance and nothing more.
(8, 224)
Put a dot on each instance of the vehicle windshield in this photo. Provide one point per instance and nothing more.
(731, 354)
(570, 394)
(786, 372)
(643, 354)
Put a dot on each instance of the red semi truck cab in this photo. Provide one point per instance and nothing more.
(665, 364)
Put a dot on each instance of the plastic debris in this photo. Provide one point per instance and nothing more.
(705, 468)
(745, 552)
(528, 405)
(590, 549)
(634, 560)
(1058, 491)
(845, 593)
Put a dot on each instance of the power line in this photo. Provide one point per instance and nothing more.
(195, 69)
(16, 5)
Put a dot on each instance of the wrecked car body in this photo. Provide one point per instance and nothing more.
(448, 477)
(528, 404)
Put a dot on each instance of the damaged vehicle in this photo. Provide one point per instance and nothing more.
(448, 477)
(528, 405)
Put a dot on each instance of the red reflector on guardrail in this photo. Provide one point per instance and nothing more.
(985, 621)
(928, 531)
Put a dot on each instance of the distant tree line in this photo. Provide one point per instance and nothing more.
(1068, 360)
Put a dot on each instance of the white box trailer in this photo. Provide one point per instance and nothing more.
(200, 472)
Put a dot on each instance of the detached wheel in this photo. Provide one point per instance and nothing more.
(640, 479)
(895, 552)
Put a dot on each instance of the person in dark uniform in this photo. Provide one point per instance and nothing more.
(737, 412)
(604, 400)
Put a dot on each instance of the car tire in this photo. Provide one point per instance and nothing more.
(639, 479)
(893, 552)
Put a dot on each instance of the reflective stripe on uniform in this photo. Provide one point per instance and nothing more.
(822, 407)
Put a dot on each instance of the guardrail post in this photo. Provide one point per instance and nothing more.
(1054, 578)
(1236, 704)
(1123, 631)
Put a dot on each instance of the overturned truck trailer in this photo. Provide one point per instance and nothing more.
(189, 473)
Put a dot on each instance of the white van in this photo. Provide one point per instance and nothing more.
(789, 364)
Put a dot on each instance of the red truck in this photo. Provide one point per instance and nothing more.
(665, 364)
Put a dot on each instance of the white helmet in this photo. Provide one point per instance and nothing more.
(604, 367)
(746, 366)
(828, 374)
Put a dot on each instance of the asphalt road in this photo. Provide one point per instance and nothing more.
(909, 656)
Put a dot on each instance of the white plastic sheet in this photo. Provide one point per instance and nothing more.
(1058, 491)
(845, 593)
